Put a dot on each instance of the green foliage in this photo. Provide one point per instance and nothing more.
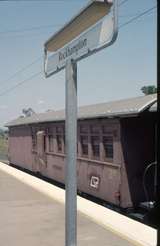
(3, 147)
(3, 144)
(147, 90)
(1, 133)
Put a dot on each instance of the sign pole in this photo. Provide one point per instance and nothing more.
(71, 154)
(72, 43)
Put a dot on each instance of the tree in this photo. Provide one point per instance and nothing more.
(1, 132)
(147, 90)
(28, 112)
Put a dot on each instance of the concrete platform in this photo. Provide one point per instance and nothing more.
(32, 213)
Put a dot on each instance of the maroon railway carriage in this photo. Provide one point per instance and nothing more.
(116, 142)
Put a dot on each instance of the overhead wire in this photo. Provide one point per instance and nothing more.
(35, 75)
(122, 2)
(42, 0)
(35, 28)
(22, 69)
(28, 29)
(42, 27)
(137, 17)
(20, 83)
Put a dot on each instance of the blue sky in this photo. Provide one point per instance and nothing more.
(114, 73)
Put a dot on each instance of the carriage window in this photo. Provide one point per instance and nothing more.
(59, 143)
(84, 129)
(49, 131)
(106, 130)
(34, 141)
(108, 146)
(95, 141)
(51, 143)
(64, 141)
(95, 129)
(84, 145)
(59, 130)
(44, 143)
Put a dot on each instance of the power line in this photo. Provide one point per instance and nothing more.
(122, 2)
(26, 35)
(44, 31)
(37, 28)
(137, 17)
(48, 0)
(41, 27)
(23, 69)
(35, 75)
(20, 83)
(130, 15)
(29, 29)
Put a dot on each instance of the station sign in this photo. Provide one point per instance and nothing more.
(100, 35)
(92, 29)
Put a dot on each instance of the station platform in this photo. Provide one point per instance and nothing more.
(32, 213)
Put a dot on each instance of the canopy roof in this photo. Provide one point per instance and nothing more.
(121, 108)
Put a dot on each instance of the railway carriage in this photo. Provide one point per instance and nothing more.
(115, 144)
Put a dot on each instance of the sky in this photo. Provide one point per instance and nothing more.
(116, 72)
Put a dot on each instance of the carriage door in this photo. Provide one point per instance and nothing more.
(41, 151)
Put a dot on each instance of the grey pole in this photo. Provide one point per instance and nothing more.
(71, 155)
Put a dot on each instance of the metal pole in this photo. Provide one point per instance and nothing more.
(71, 154)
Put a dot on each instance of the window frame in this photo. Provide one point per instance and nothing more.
(98, 135)
(82, 134)
(109, 133)
(51, 144)
(110, 143)
(61, 135)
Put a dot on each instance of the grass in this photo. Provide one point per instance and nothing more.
(3, 148)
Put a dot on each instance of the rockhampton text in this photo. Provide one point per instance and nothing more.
(72, 50)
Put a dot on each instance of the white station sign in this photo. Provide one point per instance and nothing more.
(98, 36)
